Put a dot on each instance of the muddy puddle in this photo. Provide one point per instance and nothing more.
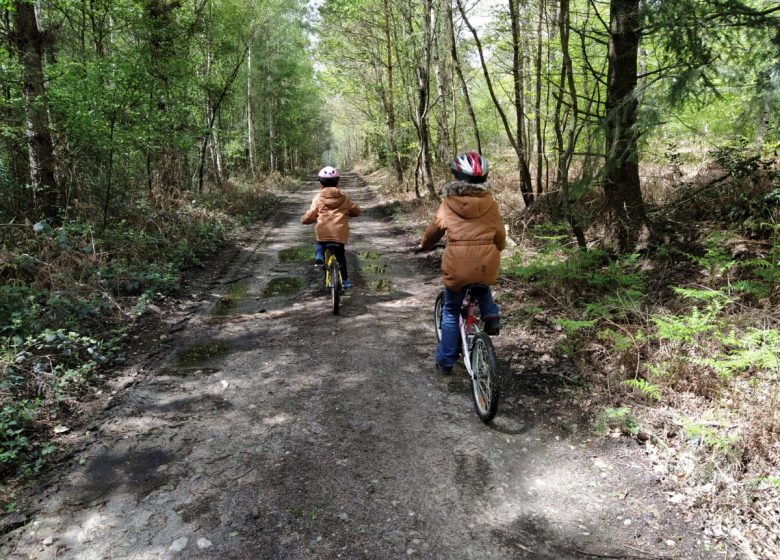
(229, 301)
(375, 272)
(201, 353)
(283, 286)
(299, 253)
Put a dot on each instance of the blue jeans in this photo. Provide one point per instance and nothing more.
(447, 352)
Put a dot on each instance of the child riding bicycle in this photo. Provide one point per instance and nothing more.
(470, 219)
(331, 210)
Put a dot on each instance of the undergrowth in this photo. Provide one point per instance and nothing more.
(684, 344)
(69, 295)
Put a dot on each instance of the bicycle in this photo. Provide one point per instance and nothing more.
(333, 280)
(479, 356)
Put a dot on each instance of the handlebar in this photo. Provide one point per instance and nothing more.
(418, 249)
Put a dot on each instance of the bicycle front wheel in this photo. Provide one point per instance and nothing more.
(335, 286)
(485, 384)
(438, 309)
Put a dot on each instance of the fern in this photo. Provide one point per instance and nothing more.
(572, 325)
(758, 349)
(687, 328)
(645, 388)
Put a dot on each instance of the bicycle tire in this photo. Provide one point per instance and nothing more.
(438, 309)
(335, 286)
(485, 383)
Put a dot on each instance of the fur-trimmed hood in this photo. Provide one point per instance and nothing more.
(462, 188)
(468, 200)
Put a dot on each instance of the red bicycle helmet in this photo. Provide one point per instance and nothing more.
(470, 167)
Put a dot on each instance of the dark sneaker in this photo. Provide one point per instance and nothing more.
(443, 369)
(493, 326)
(346, 283)
(318, 262)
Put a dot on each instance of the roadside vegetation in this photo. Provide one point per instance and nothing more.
(135, 137)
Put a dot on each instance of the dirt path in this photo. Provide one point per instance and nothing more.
(272, 429)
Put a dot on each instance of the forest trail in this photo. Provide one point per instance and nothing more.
(268, 428)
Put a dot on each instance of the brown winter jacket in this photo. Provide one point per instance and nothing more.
(331, 209)
(469, 217)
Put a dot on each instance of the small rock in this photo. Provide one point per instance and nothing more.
(627, 522)
(225, 384)
(61, 429)
(204, 543)
(670, 542)
(48, 541)
(343, 516)
(179, 544)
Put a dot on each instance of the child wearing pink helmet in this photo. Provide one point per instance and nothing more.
(330, 210)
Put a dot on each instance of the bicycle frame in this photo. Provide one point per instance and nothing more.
(479, 356)
(468, 325)
(329, 258)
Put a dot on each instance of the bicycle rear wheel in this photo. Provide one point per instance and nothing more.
(438, 308)
(335, 285)
(485, 384)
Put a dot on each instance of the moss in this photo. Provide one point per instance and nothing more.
(383, 285)
(375, 268)
(369, 255)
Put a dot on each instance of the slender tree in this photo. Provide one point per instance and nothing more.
(628, 226)
(31, 43)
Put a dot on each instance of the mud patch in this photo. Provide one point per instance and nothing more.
(285, 286)
(227, 302)
(187, 372)
(202, 511)
(201, 353)
(299, 253)
(139, 472)
(191, 405)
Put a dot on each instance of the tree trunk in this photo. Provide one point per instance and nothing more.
(250, 132)
(442, 120)
(538, 103)
(162, 22)
(461, 78)
(389, 99)
(30, 42)
(515, 139)
(565, 132)
(628, 228)
(271, 135)
(517, 75)
(423, 85)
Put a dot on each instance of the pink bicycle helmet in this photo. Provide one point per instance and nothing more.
(328, 176)
(470, 167)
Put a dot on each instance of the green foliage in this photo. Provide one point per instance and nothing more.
(620, 340)
(571, 326)
(621, 418)
(713, 436)
(757, 350)
(687, 328)
(644, 388)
